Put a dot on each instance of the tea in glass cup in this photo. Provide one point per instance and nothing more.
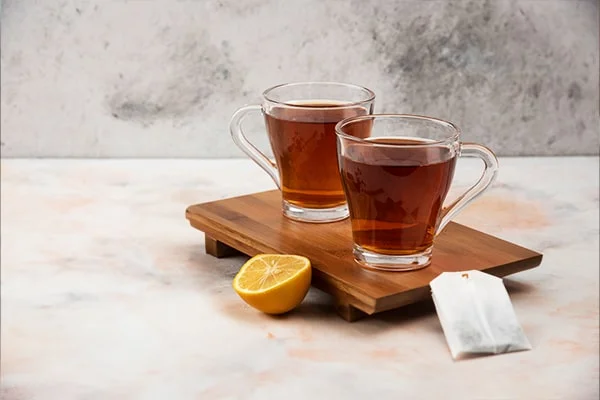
(300, 119)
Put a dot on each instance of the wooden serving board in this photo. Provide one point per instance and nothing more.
(254, 224)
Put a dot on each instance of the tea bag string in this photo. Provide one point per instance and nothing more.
(478, 309)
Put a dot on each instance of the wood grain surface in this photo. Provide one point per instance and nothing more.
(254, 224)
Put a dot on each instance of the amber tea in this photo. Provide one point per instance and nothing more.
(395, 194)
(396, 171)
(300, 119)
(304, 145)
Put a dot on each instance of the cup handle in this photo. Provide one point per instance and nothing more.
(489, 175)
(235, 127)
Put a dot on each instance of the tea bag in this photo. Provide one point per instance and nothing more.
(476, 314)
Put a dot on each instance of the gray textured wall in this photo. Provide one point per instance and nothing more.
(161, 78)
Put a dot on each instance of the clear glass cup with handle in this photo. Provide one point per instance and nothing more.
(300, 120)
(396, 172)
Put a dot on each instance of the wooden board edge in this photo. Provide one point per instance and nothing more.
(518, 266)
(423, 293)
(341, 295)
(215, 231)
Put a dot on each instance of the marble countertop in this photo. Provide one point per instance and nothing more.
(107, 294)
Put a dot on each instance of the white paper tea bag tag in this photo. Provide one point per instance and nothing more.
(476, 314)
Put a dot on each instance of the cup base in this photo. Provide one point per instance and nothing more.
(385, 262)
(315, 215)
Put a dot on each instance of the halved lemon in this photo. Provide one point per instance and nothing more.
(273, 283)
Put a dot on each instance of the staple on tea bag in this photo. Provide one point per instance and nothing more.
(476, 314)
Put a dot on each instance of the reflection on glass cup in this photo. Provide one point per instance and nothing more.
(300, 119)
(396, 172)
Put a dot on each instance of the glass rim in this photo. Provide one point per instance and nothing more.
(415, 117)
(370, 95)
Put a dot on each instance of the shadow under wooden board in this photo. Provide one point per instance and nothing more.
(254, 224)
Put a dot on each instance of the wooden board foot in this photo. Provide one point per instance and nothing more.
(348, 312)
(218, 249)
